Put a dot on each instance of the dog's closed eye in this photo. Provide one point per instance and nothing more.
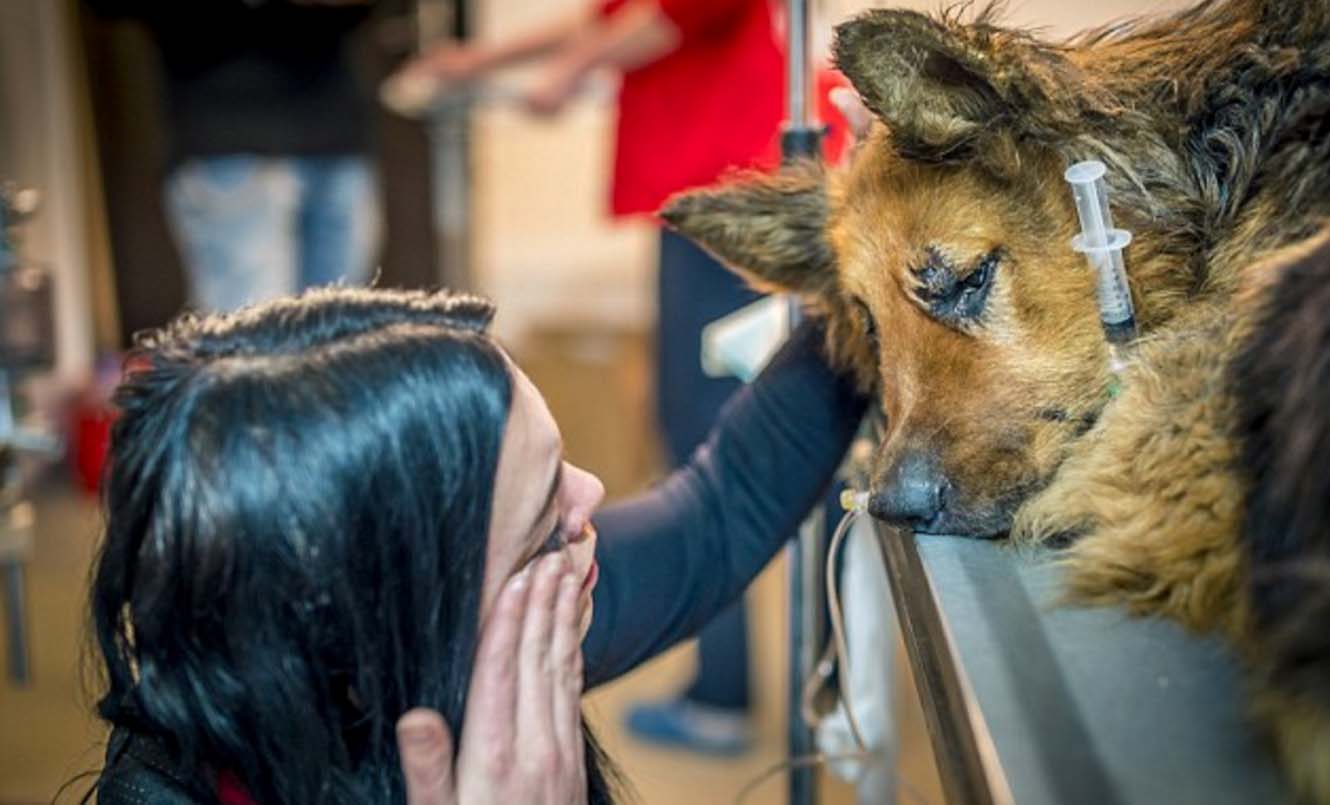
(954, 297)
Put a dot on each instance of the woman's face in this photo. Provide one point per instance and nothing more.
(541, 502)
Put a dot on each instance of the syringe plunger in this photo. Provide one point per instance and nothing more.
(1102, 245)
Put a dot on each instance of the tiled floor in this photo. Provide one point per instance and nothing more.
(596, 383)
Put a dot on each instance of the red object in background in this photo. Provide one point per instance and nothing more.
(713, 104)
(90, 438)
(90, 419)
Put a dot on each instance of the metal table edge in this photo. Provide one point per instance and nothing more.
(963, 750)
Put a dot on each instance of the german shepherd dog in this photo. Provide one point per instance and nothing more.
(940, 258)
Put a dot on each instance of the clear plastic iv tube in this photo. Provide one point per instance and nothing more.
(1102, 245)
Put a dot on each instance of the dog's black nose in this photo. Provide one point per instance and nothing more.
(912, 494)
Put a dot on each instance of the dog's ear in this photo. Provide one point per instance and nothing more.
(949, 90)
(770, 228)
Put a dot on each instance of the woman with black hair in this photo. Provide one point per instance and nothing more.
(327, 511)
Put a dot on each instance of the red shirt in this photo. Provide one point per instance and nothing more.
(714, 103)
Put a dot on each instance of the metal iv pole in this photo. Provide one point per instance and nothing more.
(801, 138)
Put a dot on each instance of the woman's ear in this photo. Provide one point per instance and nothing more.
(770, 228)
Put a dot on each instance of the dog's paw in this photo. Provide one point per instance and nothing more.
(1152, 496)
(1194, 578)
(1055, 517)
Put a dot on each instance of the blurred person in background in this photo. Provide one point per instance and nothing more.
(701, 94)
(270, 188)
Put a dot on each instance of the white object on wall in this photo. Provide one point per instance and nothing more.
(740, 344)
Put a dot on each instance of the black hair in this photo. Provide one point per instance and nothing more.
(297, 508)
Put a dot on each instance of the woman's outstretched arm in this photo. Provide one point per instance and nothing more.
(673, 558)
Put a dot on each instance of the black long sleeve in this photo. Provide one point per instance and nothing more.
(675, 557)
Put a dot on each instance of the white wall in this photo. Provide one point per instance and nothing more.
(545, 248)
(39, 147)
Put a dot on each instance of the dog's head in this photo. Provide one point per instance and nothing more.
(941, 258)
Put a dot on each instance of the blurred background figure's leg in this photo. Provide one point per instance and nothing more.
(722, 662)
(695, 290)
(339, 220)
(712, 715)
(234, 218)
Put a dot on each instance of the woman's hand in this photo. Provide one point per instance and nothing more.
(413, 88)
(552, 91)
(522, 740)
(449, 63)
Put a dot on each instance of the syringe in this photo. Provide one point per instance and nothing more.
(1102, 246)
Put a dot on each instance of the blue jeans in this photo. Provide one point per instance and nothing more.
(253, 228)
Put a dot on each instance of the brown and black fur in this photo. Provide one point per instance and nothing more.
(1281, 381)
(940, 257)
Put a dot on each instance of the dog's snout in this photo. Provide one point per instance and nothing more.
(912, 493)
